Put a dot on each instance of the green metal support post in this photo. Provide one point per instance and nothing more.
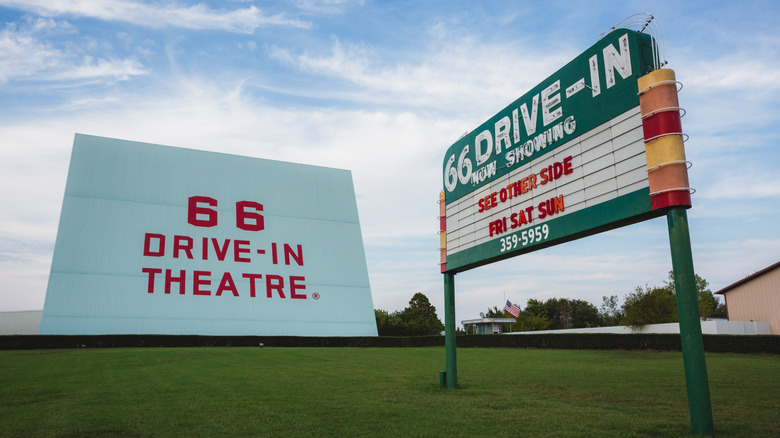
(449, 331)
(690, 325)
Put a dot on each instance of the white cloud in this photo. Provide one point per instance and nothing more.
(24, 56)
(324, 6)
(734, 186)
(725, 262)
(729, 74)
(451, 72)
(158, 15)
(121, 69)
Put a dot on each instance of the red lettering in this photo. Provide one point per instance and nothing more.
(503, 195)
(288, 252)
(531, 181)
(221, 252)
(524, 185)
(516, 188)
(521, 219)
(489, 201)
(169, 278)
(152, 272)
(551, 206)
(295, 286)
(497, 226)
(558, 203)
(193, 210)
(252, 278)
(274, 282)
(567, 166)
(481, 204)
(148, 245)
(227, 283)
(543, 175)
(249, 220)
(201, 282)
(182, 243)
(557, 170)
(529, 212)
(240, 248)
(513, 220)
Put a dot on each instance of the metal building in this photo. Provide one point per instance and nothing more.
(755, 298)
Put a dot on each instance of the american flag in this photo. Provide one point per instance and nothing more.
(511, 308)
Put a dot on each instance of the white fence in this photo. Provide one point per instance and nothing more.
(708, 327)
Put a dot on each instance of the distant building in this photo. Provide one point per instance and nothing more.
(486, 326)
(20, 323)
(755, 298)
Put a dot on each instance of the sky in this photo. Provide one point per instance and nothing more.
(383, 88)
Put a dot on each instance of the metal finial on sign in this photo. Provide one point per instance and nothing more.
(643, 21)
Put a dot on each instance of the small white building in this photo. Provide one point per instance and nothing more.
(486, 326)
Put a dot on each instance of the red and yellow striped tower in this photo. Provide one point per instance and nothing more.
(667, 174)
(667, 168)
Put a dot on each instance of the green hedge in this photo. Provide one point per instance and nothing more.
(761, 344)
(26, 342)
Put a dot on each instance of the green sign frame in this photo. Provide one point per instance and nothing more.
(594, 88)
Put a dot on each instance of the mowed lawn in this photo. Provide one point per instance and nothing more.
(393, 392)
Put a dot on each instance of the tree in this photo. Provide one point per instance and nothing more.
(420, 317)
(649, 306)
(609, 312)
(659, 305)
(532, 323)
(495, 312)
(389, 324)
(559, 313)
(583, 314)
(709, 306)
(416, 320)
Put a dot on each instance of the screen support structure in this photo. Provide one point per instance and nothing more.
(450, 333)
(696, 380)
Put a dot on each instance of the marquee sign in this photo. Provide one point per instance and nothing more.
(161, 240)
(597, 145)
(565, 160)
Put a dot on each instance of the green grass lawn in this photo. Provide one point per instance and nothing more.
(373, 392)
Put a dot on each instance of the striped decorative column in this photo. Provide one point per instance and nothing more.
(442, 232)
(667, 174)
(667, 168)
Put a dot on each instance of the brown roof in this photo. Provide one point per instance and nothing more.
(748, 278)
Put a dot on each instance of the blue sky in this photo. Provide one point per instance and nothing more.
(383, 89)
